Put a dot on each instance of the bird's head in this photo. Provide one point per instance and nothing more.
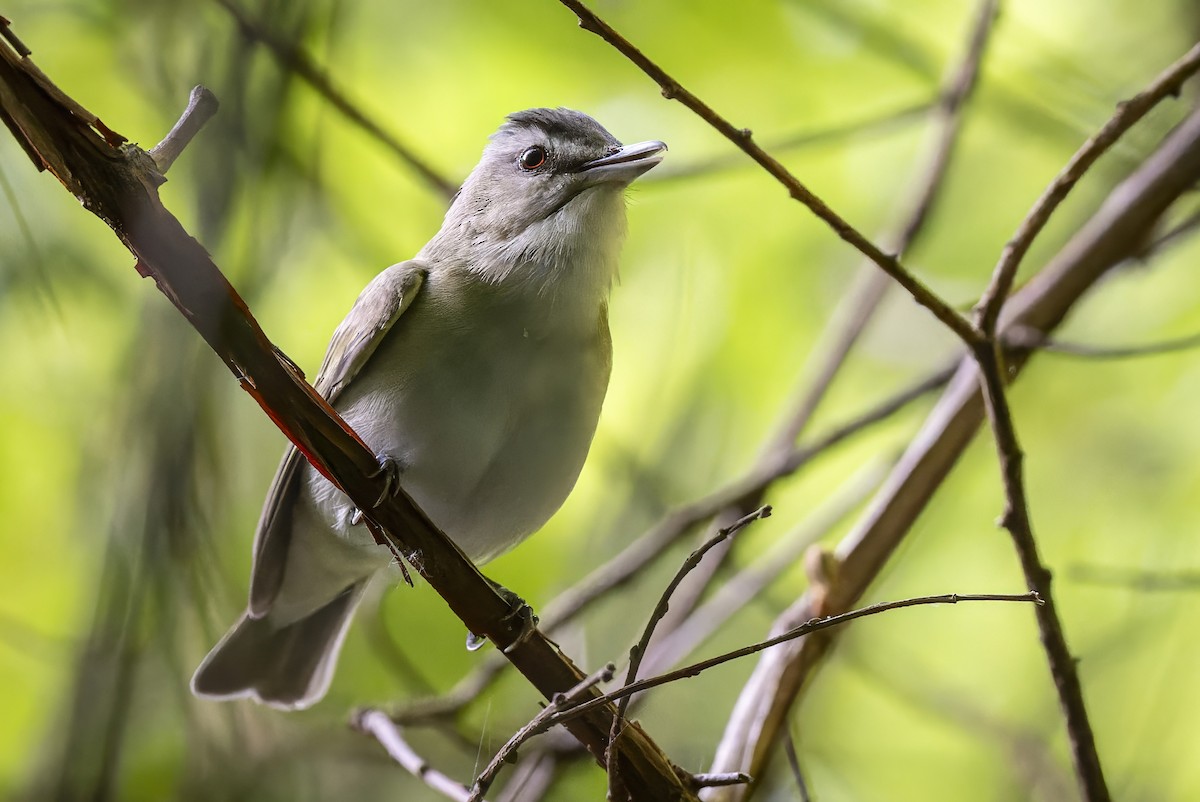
(546, 198)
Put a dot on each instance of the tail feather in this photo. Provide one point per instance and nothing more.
(288, 667)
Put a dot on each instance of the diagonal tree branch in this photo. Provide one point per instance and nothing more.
(298, 60)
(1128, 113)
(743, 139)
(1113, 233)
(119, 185)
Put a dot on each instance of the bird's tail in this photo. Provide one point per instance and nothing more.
(288, 667)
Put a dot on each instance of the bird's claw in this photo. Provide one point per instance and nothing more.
(390, 469)
(518, 608)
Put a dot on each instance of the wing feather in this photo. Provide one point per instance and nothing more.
(374, 314)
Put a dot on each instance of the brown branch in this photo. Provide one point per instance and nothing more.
(119, 185)
(813, 625)
(748, 584)
(652, 544)
(537, 725)
(1114, 233)
(639, 649)
(873, 125)
(743, 139)
(297, 60)
(1134, 579)
(1128, 113)
(987, 353)
(1016, 519)
(1020, 338)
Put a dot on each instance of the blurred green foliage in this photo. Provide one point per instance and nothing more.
(131, 466)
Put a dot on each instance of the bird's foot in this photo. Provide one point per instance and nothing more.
(517, 608)
(390, 469)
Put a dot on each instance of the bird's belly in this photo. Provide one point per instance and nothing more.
(488, 451)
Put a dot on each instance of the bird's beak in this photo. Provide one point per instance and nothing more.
(625, 165)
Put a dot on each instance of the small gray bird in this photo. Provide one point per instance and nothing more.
(476, 372)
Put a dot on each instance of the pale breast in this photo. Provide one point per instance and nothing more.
(490, 416)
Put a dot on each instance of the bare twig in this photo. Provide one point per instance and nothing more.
(698, 781)
(377, 724)
(639, 649)
(1128, 112)
(119, 185)
(734, 594)
(1113, 234)
(202, 105)
(1134, 579)
(868, 126)
(537, 725)
(1016, 519)
(814, 625)
(298, 60)
(1029, 338)
(642, 552)
(743, 139)
(789, 746)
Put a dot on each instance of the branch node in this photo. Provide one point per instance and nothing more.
(202, 105)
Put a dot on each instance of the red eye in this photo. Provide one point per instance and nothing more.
(532, 158)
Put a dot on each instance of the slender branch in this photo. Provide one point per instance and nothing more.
(119, 185)
(377, 724)
(717, 780)
(639, 649)
(814, 625)
(1128, 113)
(642, 552)
(1016, 519)
(874, 125)
(748, 584)
(1026, 338)
(1135, 579)
(296, 59)
(537, 725)
(789, 745)
(1114, 233)
(743, 139)
(202, 105)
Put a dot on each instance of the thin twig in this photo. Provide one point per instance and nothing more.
(1112, 234)
(537, 725)
(698, 781)
(1016, 519)
(639, 649)
(743, 138)
(202, 105)
(748, 584)
(1129, 112)
(874, 125)
(1023, 337)
(789, 746)
(815, 625)
(648, 547)
(298, 60)
(1134, 579)
(378, 725)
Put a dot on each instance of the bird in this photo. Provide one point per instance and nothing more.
(476, 371)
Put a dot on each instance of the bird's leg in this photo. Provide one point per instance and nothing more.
(391, 470)
(517, 608)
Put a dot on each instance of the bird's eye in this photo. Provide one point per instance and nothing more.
(532, 158)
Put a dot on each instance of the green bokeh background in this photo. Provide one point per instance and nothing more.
(132, 467)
